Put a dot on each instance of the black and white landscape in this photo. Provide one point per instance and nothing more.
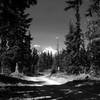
(49, 49)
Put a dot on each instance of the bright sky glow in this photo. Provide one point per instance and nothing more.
(36, 46)
(50, 50)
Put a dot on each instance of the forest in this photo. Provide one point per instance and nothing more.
(81, 55)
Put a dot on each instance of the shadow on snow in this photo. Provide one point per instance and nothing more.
(75, 90)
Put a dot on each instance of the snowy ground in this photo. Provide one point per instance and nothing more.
(57, 87)
(56, 79)
(45, 79)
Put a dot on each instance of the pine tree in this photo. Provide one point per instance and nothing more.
(93, 34)
(93, 48)
(35, 59)
(70, 55)
(45, 61)
(75, 4)
(69, 43)
(14, 26)
(75, 61)
(73, 41)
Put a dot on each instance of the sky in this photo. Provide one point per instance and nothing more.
(50, 21)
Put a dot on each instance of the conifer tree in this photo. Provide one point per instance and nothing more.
(35, 59)
(93, 33)
(77, 34)
(93, 47)
(14, 26)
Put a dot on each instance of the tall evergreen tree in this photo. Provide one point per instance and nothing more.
(71, 54)
(77, 35)
(93, 33)
(69, 42)
(93, 47)
(14, 25)
(35, 59)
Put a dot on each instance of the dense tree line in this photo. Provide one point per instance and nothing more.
(79, 57)
(45, 61)
(14, 35)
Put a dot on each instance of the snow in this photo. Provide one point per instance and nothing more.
(42, 97)
(56, 79)
(35, 98)
(45, 79)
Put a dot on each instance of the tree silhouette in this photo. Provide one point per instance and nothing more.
(75, 4)
(45, 61)
(77, 35)
(35, 58)
(93, 36)
(14, 26)
(73, 58)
